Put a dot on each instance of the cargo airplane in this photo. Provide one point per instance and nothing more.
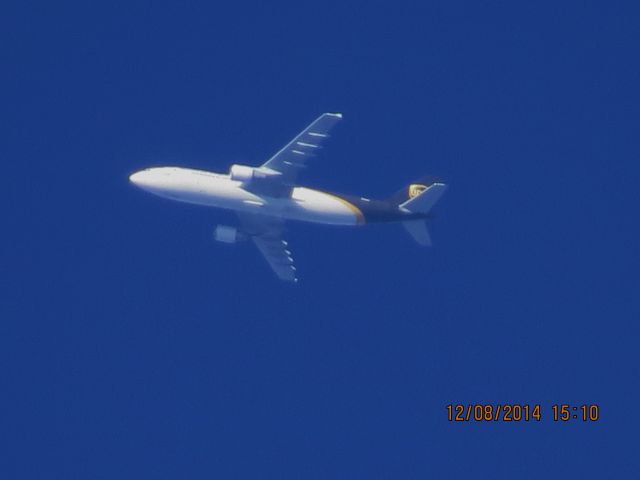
(265, 197)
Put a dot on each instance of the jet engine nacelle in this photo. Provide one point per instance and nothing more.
(226, 234)
(241, 173)
(245, 174)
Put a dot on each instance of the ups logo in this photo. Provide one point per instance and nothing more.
(416, 189)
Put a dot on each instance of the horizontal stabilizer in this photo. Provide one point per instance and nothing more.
(418, 230)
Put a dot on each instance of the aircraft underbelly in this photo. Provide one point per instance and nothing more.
(304, 204)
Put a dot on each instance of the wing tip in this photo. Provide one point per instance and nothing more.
(337, 115)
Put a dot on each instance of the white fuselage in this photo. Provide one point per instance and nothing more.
(217, 190)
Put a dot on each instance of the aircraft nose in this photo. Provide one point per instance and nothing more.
(139, 179)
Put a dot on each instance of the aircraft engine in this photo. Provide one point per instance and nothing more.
(226, 234)
(241, 173)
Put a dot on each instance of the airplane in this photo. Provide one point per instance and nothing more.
(265, 197)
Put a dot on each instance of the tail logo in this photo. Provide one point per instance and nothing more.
(416, 189)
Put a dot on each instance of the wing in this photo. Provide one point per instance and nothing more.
(295, 154)
(266, 232)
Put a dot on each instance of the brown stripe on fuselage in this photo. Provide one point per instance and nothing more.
(357, 212)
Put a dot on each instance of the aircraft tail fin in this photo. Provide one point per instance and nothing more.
(422, 198)
(414, 188)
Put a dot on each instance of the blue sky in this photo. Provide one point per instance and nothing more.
(133, 346)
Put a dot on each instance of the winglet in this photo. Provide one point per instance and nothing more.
(337, 115)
